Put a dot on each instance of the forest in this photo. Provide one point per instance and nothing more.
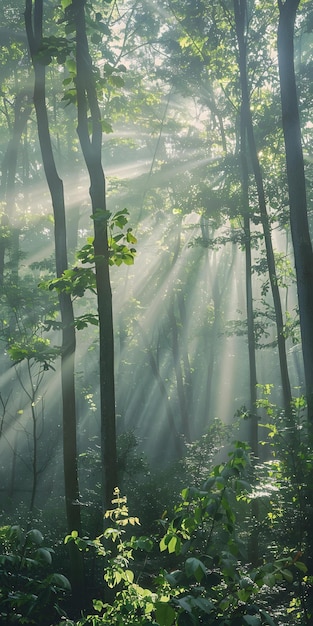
(156, 307)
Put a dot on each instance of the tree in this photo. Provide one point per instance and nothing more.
(240, 9)
(91, 145)
(302, 245)
(33, 24)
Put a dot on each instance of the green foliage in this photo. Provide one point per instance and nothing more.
(206, 581)
(121, 243)
(131, 600)
(77, 280)
(36, 348)
(28, 595)
(198, 458)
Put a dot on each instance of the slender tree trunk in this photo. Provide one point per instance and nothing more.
(240, 10)
(253, 543)
(91, 144)
(300, 234)
(33, 22)
(254, 439)
(180, 383)
(240, 19)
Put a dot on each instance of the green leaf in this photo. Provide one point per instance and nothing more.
(195, 567)
(130, 237)
(144, 543)
(35, 536)
(129, 575)
(106, 127)
(98, 605)
(301, 566)
(268, 620)
(164, 613)
(163, 544)
(44, 555)
(206, 606)
(116, 81)
(269, 580)
(174, 545)
(60, 581)
(252, 620)
(287, 575)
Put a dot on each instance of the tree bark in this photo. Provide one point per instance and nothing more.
(33, 23)
(240, 10)
(254, 439)
(299, 225)
(91, 144)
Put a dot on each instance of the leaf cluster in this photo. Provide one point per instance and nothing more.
(28, 594)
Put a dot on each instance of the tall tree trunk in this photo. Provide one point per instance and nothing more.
(33, 23)
(91, 144)
(240, 10)
(253, 543)
(254, 439)
(299, 225)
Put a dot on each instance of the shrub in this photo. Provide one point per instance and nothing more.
(27, 594)
(203, 579)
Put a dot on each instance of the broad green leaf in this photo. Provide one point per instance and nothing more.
(163, 543)
(301, 566)
(164, 613)
(44, 555)
(252, 620)
(60, 581)
(144, 543)
(195, 567)
(35, 536)
(129, 575)
(98, 605)
(174, 545)
(269, 580)
(204, 605)
(287, 575)
(268, 620)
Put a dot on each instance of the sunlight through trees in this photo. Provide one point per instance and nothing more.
(156, 303)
